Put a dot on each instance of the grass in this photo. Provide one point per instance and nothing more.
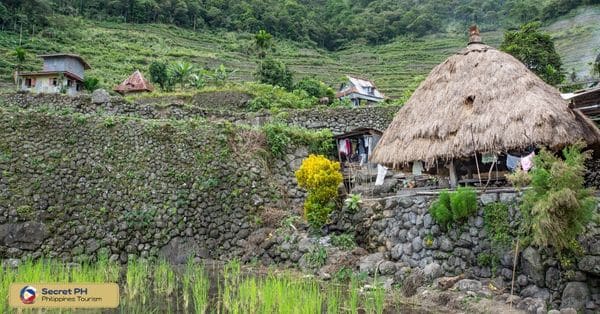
(152, 287)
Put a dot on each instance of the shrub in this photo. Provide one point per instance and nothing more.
(279, 136)
(440, 209)
(274, 72)
(91, 83)
(463, 203)
(314, 88)
(496, 224)
(344, 241)
(317, 256)
(321, 178)
(558, 206)
(353, 202)
(454, 207)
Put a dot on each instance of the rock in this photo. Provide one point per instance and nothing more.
(554, 312)
(369, 263)
(446, 283)
(590, 264)
(575, 295)
(445, 244)
(11, 262)
(387, 268)
(412, 283)
(532, 267)
(468, 285)
(178, 250)
(488, 198)
(536, 292)
(432, 271)
(514, 299)
(553, 278)
(568, 310)
(305, 244)
(522, 280)
(100, 96)
(24, 236)
(532, 305)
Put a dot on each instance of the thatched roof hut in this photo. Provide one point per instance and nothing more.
(480, 100)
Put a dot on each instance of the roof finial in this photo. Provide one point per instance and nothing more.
(474, 37)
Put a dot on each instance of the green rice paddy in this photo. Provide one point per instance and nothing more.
(158, 287)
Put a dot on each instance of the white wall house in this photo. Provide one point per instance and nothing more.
(357, 89)
(62, 73)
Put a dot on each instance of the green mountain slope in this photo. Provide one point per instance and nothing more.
(115, 50)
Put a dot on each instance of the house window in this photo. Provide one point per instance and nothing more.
(28, 82)
(54, 81)
(69, 83)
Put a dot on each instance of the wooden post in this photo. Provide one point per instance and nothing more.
(453, 177)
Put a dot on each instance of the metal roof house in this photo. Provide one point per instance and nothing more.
(61, 73)
(357, 89)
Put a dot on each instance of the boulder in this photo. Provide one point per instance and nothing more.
(100, 96)
(531, 264)
(369, 263)
(469, 285)
(412, 283)
(590, 264)
(575, 295)
(535, 292)
(178, 250)
(432, 271)
(532, 305)
(24, 236)
(446, 283)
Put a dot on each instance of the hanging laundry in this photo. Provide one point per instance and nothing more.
(417, 168)
(342, 147)
(512, 162)
(381, 171)
(348, 147)
(488, 158)
(527, 162)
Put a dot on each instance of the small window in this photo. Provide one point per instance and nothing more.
(54, 81)
(28, 82)
(69, 83)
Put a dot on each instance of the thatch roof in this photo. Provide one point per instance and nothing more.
(480, 100)
(134, 83)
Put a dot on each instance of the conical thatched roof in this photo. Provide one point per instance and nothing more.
(480, 100)
(134, 83)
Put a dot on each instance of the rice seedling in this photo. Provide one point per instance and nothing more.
(186, 281)
(164, 278)
(200, 287)
(334, 296)
(136, 281)
(7, 276)
(353, 296)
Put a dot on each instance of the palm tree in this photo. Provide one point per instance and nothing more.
(263, 42)
(182, 71)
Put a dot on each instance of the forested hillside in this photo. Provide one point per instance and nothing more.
(327, 23)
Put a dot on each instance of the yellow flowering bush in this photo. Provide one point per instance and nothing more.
(321, 178)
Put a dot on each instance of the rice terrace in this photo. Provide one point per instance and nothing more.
(371, 156)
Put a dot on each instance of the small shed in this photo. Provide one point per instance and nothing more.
(587, 101)
(135, 83)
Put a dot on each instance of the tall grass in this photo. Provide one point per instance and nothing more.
(136, 280)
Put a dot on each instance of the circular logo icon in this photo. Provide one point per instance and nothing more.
(28, 295)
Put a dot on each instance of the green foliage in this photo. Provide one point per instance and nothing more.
(159, 73)
(558, 207)
(344, 241)
(315, 88)
(536, 50)
(440, 209)
(496, 223)
(20, 54)
(274, 72)
(264, 43)
(25, 211)
(280, 136)
(463, 203)
(181, 72)
(276, 97)
(316, 257)
(353, 202)
(321, 178)
(454, 207)
(91, 83)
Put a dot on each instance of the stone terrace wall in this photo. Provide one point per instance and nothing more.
(72, 186)
(398, 228)
(339, 120)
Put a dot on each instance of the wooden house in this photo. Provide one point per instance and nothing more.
(359, 90)
(61, 73)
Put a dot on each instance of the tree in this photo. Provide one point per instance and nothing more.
(314, 88)
(91, 83)
(536, 50)
(159, 73)
(20, 54)
(263, 42)
(274, 72)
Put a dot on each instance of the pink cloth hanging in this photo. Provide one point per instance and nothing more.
(527, 162)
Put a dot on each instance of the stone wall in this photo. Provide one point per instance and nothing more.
(403, 233)
(219, 106)
(73, 185)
